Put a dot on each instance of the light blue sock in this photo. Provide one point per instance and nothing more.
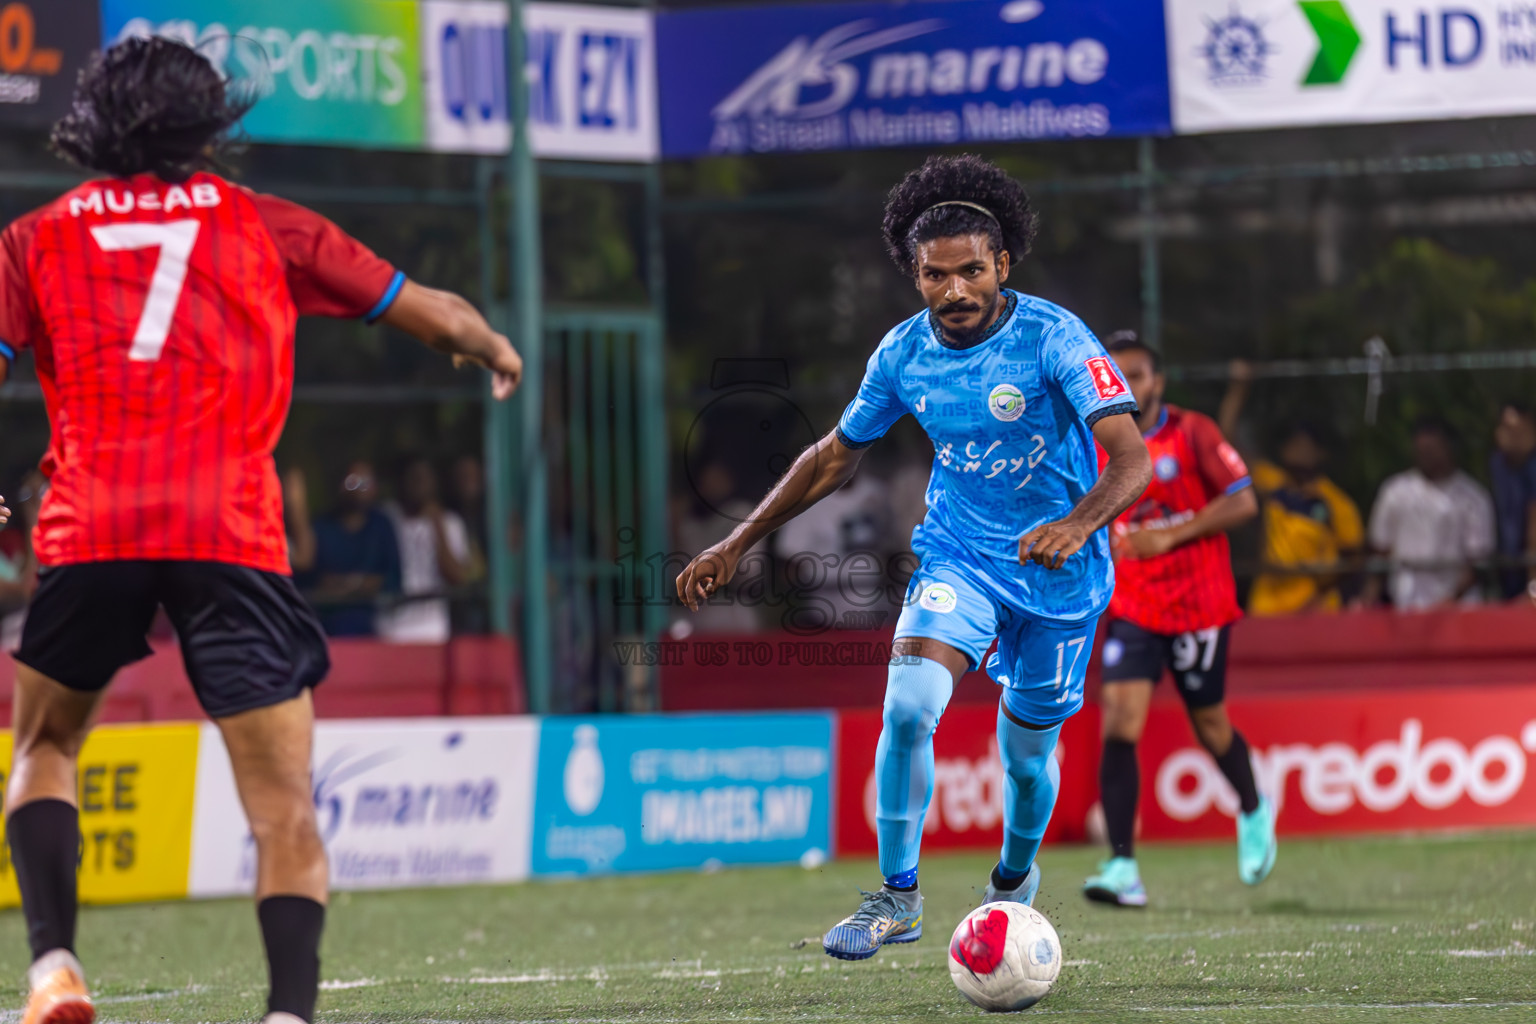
(916, 691)
(1031, 782)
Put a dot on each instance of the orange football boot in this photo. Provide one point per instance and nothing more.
(59, 995)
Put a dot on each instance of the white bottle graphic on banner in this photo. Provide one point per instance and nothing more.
(584, 772)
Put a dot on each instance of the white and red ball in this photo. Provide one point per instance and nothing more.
(1004, 956)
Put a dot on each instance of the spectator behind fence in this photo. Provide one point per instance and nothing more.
(18, 564)
(1311, 527)
(1513, 473)
(434, 556)
(467, 481)
(348, 560)
(1434, 522)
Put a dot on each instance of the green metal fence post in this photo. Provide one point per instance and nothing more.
(528, 316)
(1151, 262)
(498, 424)
(652, 409)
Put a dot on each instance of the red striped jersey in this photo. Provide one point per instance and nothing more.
(1190, 587)
(161, 319)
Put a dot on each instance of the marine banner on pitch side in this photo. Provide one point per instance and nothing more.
(403, 803)
(654, 792)
(135, 796)
(804, 77)
(1238, 64)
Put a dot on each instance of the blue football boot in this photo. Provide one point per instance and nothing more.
(884, 916)
(1024, 892)
(1118, 882)
(1256, 844)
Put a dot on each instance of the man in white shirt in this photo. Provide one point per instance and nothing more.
(1435, 522)
(434, 556)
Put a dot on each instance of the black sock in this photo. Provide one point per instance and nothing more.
(1005, 882)
(1119, 789)
(290, 929)
(1238, 768)
(45, 847)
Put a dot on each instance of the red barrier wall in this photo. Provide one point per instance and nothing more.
(470, 676)
(1362, 650)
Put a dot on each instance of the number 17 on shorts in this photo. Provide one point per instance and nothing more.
(1044, 665)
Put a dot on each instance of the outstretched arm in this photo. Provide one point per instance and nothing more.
(820, 470)
(447, 323)
(1124, 478)
(1222, 513)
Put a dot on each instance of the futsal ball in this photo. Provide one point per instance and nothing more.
(1004, 956)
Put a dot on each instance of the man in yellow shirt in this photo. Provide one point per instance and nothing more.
(1312, 529)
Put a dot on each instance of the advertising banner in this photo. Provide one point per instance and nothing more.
(967, 807)
(801, 77)
(592, 82)
(135, 799)
(648, 792)
(400, 803)
(1370, 762)
(43, 45)
(345, 72)
(1239, 64)
(464, 75)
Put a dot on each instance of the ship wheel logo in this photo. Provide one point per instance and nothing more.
(1235, 50)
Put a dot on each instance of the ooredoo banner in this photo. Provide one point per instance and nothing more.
(802, 77)
(342, 72)
(1237, 64)
(400, 804)
(1372, 762)
(967, 807)
(135, 797)
(653, 792)
(43, 45)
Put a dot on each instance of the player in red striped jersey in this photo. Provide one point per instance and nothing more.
(1174, 605)
(159, 304)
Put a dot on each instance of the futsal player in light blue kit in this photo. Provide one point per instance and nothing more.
(1013, 391)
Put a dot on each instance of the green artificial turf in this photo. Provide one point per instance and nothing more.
(1391, 929)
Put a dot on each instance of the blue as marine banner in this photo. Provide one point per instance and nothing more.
(795, 78)
(648, 793)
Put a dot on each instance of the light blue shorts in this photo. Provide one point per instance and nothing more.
(1040, 663)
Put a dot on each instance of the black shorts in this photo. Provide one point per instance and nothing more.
(248, 639)
(1198, 660)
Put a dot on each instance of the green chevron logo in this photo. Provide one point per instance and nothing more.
(1337, 41)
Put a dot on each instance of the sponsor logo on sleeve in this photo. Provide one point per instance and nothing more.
(1106, 379)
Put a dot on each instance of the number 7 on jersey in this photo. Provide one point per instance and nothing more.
(175, 240)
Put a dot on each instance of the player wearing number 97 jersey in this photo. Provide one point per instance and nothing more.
(1173, 608)
(159, 303)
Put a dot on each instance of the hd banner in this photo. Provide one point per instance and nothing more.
(43, 45)
(343, 72)
(796, 78)
(1238, 64)
(654, 792)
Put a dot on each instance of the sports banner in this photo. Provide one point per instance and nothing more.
(135, 798)
(464, 75)
(43, 45)
(343, 72)
(967, 807)
(1367, 762)
(802, 77)
(652, 792)
(1237, 64)
(400, 804)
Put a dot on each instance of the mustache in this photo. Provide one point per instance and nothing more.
(959, 306)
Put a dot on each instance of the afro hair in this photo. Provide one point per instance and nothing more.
(148, 106)
(911, 217)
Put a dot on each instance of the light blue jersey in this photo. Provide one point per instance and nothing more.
(1011, 422)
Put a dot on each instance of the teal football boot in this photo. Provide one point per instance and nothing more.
(1256, 844)
(1118, 882)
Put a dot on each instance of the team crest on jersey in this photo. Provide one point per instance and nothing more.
(1106, 381)
(1166, 468)
(1006, 402)
(939, 597)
